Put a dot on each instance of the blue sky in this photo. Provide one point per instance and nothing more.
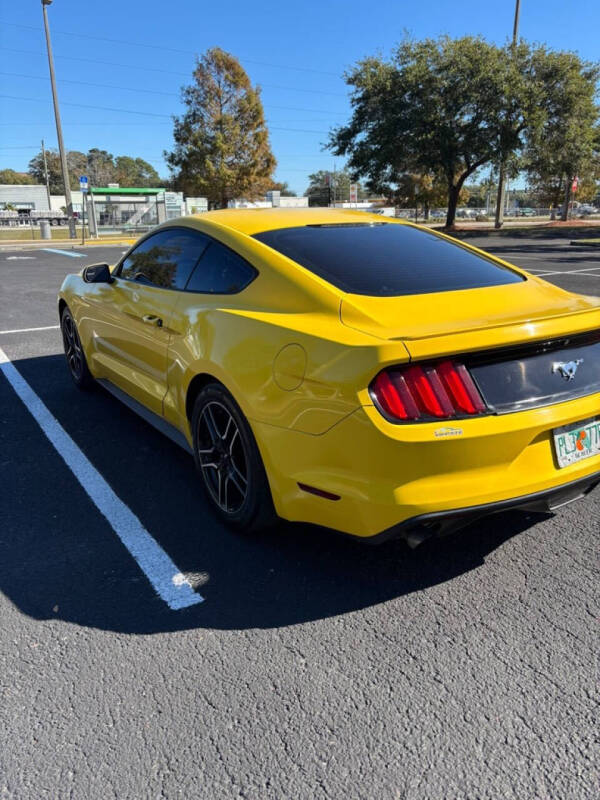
(115, 58)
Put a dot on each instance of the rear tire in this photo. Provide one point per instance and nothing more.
(76, 361)
(229, 462)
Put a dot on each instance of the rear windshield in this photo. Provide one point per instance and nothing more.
(386, 259)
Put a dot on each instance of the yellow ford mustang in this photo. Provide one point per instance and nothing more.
(338, 368)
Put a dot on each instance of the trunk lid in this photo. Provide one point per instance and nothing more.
(463, 321)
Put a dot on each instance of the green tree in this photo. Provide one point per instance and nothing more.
(487, 188)
(566, 141)
(477, 195)
(98, 165)
(282, 187)
(338, 182)
(77, 163)
(135, 172)
(10, 176)
(438, 107)
(587, 187)
(36, 171)
(101, 168)
(222, 148)
(76, 166)
(425, 190)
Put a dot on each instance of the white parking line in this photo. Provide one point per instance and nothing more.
(568, 272)
(63, 252)
(539, 272)
(169, 583)
(591, 271)
(29, 330)
(536, 271)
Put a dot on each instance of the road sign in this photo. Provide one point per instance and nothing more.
(354, 192)
(574, 185)
(83, 183)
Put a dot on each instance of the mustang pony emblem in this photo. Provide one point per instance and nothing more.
(567, 368)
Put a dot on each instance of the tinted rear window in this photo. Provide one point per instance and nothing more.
(386, 259)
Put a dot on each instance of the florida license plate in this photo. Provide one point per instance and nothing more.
(578, 441)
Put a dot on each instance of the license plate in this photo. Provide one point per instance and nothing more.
(578, 441)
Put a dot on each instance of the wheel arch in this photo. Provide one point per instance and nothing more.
(195, 386)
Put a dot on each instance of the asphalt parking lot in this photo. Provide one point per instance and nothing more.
(313, 667)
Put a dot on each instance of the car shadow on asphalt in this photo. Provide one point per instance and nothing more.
(59, 558)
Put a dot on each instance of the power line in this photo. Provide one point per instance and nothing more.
(87, 36)
(88, 83)
(71, 123)
(78, 122)
(154, 91)
(141, 113)
(97, 61)
(294, 169)
(82, 105)
(154, 156)
(185, 74)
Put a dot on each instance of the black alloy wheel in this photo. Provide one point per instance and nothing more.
(222, 457)
(74, 351)
(229, 462)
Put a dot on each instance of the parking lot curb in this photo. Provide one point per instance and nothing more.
(64, 244)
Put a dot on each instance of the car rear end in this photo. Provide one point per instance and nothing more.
(483, 394)
(487, 430)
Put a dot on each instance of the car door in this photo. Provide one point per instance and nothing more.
(219, 275)
(132, 328)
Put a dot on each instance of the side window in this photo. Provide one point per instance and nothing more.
(220, 271)
(165, 259)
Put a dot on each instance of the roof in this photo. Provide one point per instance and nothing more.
(256, 220)
(128, 190)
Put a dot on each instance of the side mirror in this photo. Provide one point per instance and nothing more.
(97, 273)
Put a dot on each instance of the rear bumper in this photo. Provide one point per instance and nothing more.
(441, 522)
(391, 479)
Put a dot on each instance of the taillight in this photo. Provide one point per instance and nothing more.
(427, 391)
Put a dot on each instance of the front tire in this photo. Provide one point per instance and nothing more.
(229, 462)
(78, 368)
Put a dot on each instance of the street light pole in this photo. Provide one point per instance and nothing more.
(516, 22)
(46, 176)
(500, 198)
(59, 136)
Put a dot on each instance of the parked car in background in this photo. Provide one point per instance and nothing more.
(466, 213)
(525, 212)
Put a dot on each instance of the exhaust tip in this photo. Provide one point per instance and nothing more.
(417, 537)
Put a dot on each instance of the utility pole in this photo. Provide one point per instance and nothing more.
(516, 22)
(333, 183)
(46, 176)
(59, 136)
(500, 197)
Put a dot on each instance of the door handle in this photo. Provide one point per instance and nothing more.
(152, 319)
